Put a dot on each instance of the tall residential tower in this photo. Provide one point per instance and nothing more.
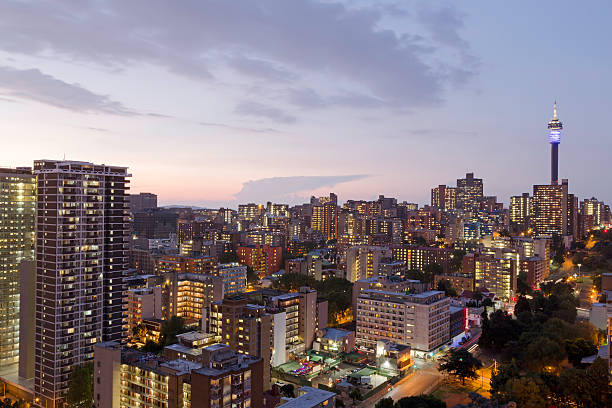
(554, 137)
(82, 236)
(16, 245)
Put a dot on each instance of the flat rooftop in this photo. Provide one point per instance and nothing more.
(311, 397)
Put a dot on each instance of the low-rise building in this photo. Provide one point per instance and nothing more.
(142, 303)
(308, 397)
(128, 378)
(334, 341)
(392, 358)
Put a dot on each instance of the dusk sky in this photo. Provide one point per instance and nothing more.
(213, 103)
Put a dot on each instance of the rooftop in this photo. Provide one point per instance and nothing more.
(311, 397)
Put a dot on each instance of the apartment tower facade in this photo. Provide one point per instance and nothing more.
(82, 235)
(16, 244)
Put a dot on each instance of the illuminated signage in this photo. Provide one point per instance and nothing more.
(555, 136)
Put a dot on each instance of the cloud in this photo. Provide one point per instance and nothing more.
(238, 128)
(260, 68)
(347, 49)
(444, 24)
(311, 99)
(289, 189)
(34, 85)
(252, 108)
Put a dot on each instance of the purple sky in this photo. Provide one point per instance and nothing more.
(218, 102)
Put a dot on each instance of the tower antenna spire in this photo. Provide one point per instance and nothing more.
(555, 110)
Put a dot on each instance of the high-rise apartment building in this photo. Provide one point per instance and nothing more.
(550, 209)
(189, 295)
(469, 192)
(497, 274)
(17, 195)
(444, 197)
(520, 209)
(264, 259)
(325, 215)
(363, 261)
(250, 212)
(82, 239)
(245, 328)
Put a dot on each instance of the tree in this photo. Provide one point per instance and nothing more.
(487, 302)
(140, 332)
(544, 352)
(429, 271)
(456, 262)
(525, 392)
(578, 349)
(446, 286)
(505, 373)
(597, 384)
(252, 276)
(421, 401)
(385, 403)
(355, 394)
(521, 284)
(80, 386)
(227, 257)
(170, 328)
(288, 390)
(460, 363)
(522, 306)
(339, 403)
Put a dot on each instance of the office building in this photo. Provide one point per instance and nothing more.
(82, 239)
(155, 223)
(143, 201)
(420, 321)
(17, 203)
(444, 197)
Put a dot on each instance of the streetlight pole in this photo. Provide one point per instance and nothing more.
(579, 274)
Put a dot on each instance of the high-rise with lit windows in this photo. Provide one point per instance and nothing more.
(82, 236)
(469, 192)
(16, 244)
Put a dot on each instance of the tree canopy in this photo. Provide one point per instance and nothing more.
(460, 363)
(80, 386)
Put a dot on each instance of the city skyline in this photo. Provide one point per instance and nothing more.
(237, 118)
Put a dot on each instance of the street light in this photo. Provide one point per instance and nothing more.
(579, 275)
